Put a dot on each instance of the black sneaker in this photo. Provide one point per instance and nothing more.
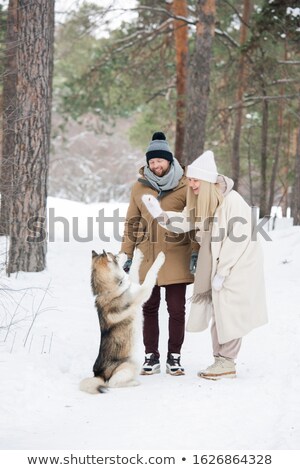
(173, 364)
(151, 365)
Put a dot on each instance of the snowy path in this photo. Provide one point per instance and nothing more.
(42, 408)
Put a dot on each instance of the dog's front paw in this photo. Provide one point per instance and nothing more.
(121, 258)
(160, 258)
(138, 255)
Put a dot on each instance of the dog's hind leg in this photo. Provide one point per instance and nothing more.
(93, 385)
(124, 376)
(135, 267)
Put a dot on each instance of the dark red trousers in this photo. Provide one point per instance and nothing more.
(175, 298)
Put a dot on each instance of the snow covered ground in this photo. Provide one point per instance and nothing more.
(52, 342)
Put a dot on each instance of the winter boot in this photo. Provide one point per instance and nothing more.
(223, 368)
(151, 365)
(173, 364)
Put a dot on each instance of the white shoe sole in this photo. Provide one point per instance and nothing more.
(228, 375)
(152, 372)
(176, 372)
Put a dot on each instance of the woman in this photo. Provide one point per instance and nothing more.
(229, 281)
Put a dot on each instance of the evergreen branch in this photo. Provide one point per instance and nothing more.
(147, 36)
(270, 98)
(137, 33)
(237, 13)
(158, 10)
(250, 101)
(219, 32)
(161, 92)
(283, 80)
(288, 62)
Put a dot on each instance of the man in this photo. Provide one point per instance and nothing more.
(164, 178)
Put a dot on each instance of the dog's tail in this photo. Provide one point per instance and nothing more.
(93, 385)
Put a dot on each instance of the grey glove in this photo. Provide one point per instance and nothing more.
(193, 262)
(127, 265)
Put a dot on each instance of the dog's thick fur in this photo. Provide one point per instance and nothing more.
(118, 298)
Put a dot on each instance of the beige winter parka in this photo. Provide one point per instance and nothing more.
(240, 306)
(143, 232)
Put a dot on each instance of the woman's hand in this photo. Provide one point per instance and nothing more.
(218, 282)
(152, 205)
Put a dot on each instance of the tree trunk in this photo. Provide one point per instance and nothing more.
(32, 135)
(296, 188)
(277, 153)
(198, 83)
(249, 140)
(286, 167)
(8, 116)
(181, 46)
(235, 161)
(278, 150)
(264, 156)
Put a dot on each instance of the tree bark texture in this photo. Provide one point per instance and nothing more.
(32, 135)
(264, 157)
(181, 46)
(277, 154)
(8, 116)
(251, 199)
(289, 152)
(235, 160)
(296, 188)
(198, 81)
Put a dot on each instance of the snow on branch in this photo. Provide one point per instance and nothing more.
(219, 32)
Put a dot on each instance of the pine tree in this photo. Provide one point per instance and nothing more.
(34, 60)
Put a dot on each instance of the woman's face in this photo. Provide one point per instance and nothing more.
(194, 184)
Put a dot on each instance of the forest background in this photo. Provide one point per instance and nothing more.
(83, 87)
(220, 75)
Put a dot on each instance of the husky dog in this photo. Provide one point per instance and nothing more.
(119, 296)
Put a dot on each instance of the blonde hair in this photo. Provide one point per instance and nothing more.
(203, 205)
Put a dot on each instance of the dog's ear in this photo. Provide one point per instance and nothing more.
(94, 254)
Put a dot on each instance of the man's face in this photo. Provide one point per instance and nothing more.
(159, 166)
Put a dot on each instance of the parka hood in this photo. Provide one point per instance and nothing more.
(225, 184)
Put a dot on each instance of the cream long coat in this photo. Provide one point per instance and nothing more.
(240, 305)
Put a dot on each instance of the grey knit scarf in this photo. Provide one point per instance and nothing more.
(168, 181)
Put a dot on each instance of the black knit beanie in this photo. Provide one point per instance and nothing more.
(159, 148)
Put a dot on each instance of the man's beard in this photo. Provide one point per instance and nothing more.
(163, 173)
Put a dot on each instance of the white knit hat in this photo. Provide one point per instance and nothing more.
(203, 168)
